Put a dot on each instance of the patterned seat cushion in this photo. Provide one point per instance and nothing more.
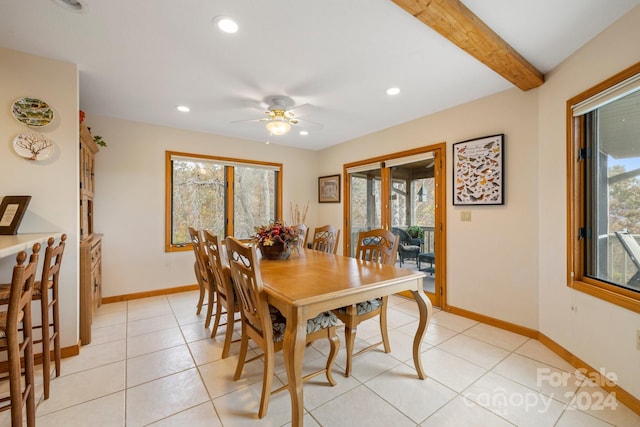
(410, 248)
(321, 321)
(365, 306)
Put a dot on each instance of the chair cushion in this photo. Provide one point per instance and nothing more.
(410, 248)
(365, 306)
(321, 321)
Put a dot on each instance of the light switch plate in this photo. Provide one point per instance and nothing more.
(465, 216)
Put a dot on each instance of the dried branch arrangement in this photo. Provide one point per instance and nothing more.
(298, 216)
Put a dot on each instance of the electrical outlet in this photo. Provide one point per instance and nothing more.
(638, 339)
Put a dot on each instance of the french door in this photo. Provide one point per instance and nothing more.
(403, 192)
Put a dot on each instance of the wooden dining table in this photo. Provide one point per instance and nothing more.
(310, 282)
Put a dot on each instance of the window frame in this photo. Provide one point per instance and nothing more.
(576, 277)
(229, 191)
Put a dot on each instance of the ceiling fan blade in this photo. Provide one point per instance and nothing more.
(306, 124)
(251, 120)
(303, 110)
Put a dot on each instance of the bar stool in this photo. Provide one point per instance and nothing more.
(49, 304)
(48, 297)
(16, 318)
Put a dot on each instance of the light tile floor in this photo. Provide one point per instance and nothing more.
(151, 362)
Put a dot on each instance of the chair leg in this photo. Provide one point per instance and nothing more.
(244, 345)
(350, 339)
(56, 333)
(46, 340)
(383, 326)
(15, 381)
(334, 341)
(29, 384)
(202, 290)
(267, 381)
(210, 300)
(228, 333)
(216, 322)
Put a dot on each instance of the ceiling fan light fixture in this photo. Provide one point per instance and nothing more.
(278, 126)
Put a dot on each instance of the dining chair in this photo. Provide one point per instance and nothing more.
(205, 281)
(302, 231)
(379, 246)
(265, 325)
(15, 319)
(326, 239)
(225, 294)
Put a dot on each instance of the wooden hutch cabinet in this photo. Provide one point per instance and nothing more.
(90, 242)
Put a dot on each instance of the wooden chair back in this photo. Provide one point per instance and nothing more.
(49, 308)
(18, 317)
(302, 231)
(377, 245)
(247, 280)
(199, 252)
(325, 239)
(226, 296)
(203, 273)
(217, 263)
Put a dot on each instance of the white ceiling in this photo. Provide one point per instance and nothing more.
(139, 59)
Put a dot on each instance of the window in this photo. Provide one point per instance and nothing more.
(604, 190)
(226, 196)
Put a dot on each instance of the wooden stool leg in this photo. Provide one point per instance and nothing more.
(29, 386)
(46, 339)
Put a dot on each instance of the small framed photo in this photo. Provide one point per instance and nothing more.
(478, 171)
(329, 189)
(12, 210)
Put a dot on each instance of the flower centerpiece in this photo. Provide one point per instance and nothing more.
(275, 240)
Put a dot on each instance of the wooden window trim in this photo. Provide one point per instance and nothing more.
(575, 198)
(169, 247)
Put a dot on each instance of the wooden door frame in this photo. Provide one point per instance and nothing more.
(439, 150)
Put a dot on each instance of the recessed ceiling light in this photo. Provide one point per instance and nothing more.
(393, 91)
(183, 108)
(226, 24)
(74, 5)
(304, 132)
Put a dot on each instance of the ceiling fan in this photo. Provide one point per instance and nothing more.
(280, 116)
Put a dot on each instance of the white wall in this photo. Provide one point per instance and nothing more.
(52, 183)
(601, 334)
(130, 197)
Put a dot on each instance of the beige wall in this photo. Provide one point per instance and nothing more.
(130, 197)
(492, 261)
(601, 334)
(52, 183)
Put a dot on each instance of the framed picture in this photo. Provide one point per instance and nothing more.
(12, 210)
(478, 171)
(329, 189)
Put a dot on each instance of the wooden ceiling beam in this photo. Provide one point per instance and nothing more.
(456, 22)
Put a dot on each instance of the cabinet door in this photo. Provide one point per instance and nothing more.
(96, 280)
